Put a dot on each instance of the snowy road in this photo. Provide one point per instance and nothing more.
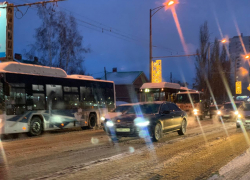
(89, 154)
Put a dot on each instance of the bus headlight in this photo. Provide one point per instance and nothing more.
(109, 123)
(219, 112)
(102, 118)
(236, 112)
(142, 124)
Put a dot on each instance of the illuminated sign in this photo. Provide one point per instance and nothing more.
(238, 87)
(3, 30)
(156, 72)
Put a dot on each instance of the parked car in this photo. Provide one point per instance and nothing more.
(243, 116)
(229, 110)
(148, 119)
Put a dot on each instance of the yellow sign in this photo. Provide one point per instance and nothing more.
(238, 87)
(156, 72)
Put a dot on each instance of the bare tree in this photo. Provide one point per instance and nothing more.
(58, 42)
(201, 64)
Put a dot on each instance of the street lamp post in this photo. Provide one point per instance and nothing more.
(151, 14)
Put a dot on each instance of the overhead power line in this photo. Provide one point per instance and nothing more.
(97, 26)
(160, 57)
(106, 28)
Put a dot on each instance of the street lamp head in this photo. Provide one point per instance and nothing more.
(170, 3)
(223, 40)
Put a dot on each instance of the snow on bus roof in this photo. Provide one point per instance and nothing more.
(160, 85)
(21, 68)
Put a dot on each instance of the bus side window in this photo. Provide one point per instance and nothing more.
(54, 96)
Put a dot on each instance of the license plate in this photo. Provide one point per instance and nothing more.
(122, 129)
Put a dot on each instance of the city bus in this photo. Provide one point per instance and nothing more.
(193, 102)
(37, 98)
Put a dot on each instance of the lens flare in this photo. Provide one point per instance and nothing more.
(178, 26)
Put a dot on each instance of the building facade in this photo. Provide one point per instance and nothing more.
(240, 66)
(127, 84)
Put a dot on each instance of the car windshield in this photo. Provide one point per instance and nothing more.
(230, 106)
(184, 98)
(121, 109)
(144, 109)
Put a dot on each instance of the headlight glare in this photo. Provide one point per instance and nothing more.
(195, 110)
(239, 116)
(102, 118)
(141, 124)
(219, 112)
(109, 123)
(236, 112)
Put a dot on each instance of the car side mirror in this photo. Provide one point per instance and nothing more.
(166, 112)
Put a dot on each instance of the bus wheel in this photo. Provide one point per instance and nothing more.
(92, 121)
(35, 126)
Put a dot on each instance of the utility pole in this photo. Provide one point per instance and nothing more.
(105, 73)
(150, 46)
(7, 27)
(35, 3)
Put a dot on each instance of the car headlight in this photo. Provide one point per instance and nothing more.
(239, 116)
(195, 110)
(236, 112)
(141, 124)
(109, 123)
(102, 118)
(219, 112)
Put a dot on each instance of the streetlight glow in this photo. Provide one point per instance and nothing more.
(247, 57)
(223, 40)
(170, 3)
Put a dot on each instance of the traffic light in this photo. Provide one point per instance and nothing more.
(9, 38)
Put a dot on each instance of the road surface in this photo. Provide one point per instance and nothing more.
(75, 154)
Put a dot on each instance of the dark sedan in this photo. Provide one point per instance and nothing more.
(148, 120)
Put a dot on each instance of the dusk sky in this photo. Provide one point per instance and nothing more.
(131, 19)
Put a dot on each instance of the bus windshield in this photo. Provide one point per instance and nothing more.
(184, 98)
